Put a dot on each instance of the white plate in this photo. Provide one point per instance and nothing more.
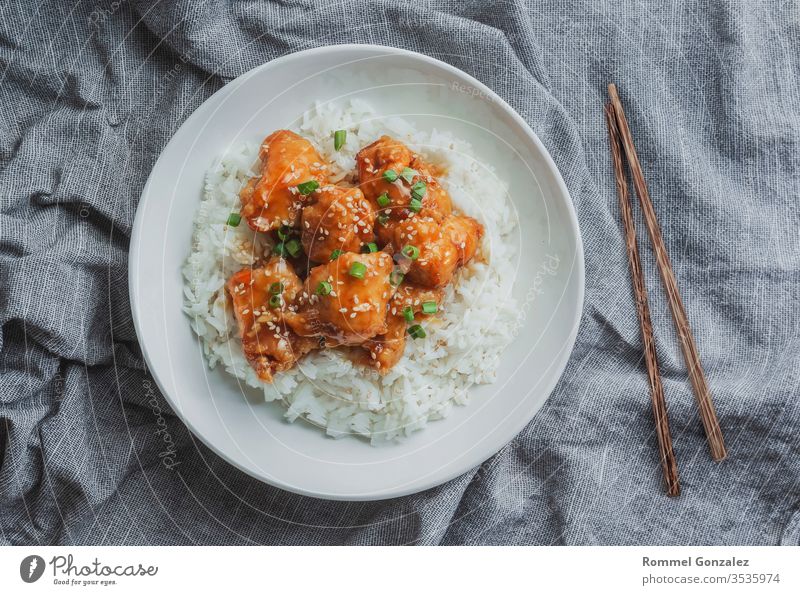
(252, 434)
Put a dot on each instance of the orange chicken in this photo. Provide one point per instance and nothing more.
(345, 300)
(291, 170)
(261, 297)
(341, 219)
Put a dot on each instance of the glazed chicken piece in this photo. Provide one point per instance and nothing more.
(345, 300)
(261, 297)
(434, 247)
(291, 168)
(399, 184)
(465, 233)
(384, 351)
(341, 219)
(413, 297)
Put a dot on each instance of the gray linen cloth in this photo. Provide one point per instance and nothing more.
(92, 91)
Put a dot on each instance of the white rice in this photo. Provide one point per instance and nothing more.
(464, 344)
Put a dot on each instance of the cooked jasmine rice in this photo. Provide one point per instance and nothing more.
(464, 340)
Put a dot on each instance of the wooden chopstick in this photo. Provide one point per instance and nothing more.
(708, 415)
(668, 464)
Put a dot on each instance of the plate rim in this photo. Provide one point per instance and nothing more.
(578, 269)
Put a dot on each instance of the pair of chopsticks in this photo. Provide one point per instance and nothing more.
(622, 143)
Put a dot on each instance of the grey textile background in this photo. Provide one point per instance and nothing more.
(90, 92)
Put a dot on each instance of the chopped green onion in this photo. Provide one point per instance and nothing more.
(357, 270)
(415, 205)
(234, 219)
(284, 231)
(410, 251)
(275, 301)
(408, 174)
(369, 248)
(336, 254)
(280, 249)
(338, 139)
(396, 277)
(383, 200)
(429, 307)
(390, 175)
(383, 219)
(293, 247)
(417, 332)
(307, 188)
(276, 288)
(324, 288)
(418, 190)
(408, 314)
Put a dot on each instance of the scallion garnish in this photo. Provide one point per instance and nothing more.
(284, 231)
(275, 301)
(417, 332)
(415, 205)
(280, 249)
(357, 270)
(370, 248)
(408, 314)
(338, 139)
(336, 254)
(429, 307)
(408, 174)
(383, 200)
(276, 288)
(396, 277)
(410, 251)
(307, 188)
(293, 247)
(234, 219)
(390, 175)
(324, 288)
(418, 190)
(383, 218)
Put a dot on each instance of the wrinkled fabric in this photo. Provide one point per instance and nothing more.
(90, 94)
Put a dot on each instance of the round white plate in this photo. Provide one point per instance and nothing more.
(252, 434)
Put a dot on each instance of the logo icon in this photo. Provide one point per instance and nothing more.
(31, 568)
